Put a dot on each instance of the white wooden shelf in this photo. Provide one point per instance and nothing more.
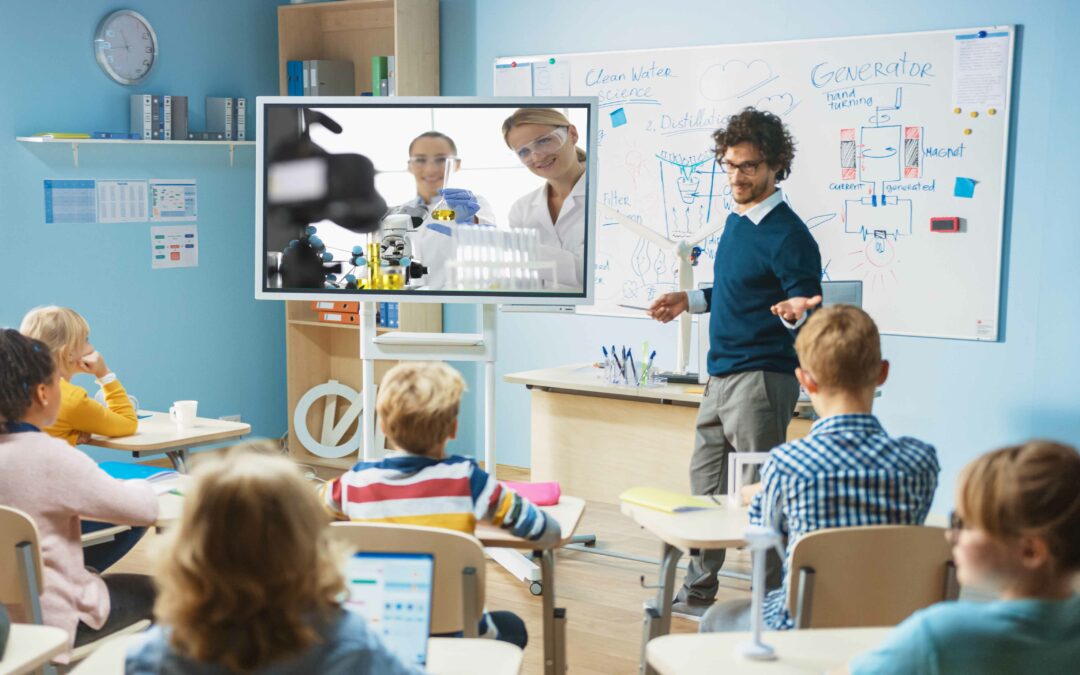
(76, 142)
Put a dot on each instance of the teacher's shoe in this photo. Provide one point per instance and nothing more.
(686, 610)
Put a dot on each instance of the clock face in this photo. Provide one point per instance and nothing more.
(126, 46)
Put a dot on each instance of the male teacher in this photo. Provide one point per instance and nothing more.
(766, 277)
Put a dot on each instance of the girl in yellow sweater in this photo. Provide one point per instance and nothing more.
(67, 335)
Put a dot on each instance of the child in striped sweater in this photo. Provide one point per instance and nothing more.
(417, 409)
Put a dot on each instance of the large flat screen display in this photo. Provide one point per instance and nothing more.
(426, 199)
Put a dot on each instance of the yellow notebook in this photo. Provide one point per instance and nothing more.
(666, 500)
(61, 135)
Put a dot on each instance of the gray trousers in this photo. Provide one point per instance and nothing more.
(743, 412)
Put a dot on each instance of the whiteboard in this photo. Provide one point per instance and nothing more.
(886, 140)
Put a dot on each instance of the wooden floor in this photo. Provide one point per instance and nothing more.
(602, 595)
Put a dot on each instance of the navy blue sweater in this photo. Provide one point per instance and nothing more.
(756, 267)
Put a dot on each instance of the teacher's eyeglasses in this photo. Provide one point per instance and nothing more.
(748, 169)
(544, 146)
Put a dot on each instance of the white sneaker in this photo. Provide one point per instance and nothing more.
(684, 610)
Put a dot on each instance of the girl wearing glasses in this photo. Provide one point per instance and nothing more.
(431, 239)
(545, 142)
(1016, 532)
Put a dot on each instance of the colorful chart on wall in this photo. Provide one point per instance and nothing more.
(899, 171)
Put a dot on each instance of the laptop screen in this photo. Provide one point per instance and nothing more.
(393, 592)
(841, 293)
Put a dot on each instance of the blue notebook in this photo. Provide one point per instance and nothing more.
(126, 471)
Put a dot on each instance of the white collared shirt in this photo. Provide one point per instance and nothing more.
(562, 240)
(755, 214)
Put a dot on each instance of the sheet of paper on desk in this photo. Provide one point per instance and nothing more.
(666, 500)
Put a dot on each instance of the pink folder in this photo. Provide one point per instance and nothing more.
(541, 494)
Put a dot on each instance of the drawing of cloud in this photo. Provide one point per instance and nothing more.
(734, 79)
(778, 104)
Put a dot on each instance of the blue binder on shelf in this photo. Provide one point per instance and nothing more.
(294, 78)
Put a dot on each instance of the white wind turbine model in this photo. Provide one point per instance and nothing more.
(683, 251)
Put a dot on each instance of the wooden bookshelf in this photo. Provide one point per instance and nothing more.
(356, 30)
(352, 30)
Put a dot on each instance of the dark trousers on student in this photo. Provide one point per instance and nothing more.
(102, 556)
(741, 412)
(131, 599)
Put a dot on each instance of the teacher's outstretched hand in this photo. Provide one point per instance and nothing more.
(670, 305)
(793, 309)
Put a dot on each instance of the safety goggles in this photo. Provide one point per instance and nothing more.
(544, 146)
(424, 161)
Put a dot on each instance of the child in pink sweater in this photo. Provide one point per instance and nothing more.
(56, 484)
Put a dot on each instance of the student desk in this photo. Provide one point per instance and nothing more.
(30, 647)
(567, 512)
(692, 531)
(446, 656)
(798, 651)
(158, 434)
(598, 439)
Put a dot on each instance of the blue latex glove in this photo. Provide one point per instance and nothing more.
(463, 202)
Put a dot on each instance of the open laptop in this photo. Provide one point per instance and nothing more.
(393, 592)
(841, 293)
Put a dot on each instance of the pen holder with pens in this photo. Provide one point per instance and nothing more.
(625, 372)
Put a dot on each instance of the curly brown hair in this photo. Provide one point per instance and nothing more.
(250, 566)
(24, 364)
(763, 130)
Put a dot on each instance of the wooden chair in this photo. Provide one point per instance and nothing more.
(21, 575)
(869, 576)
(457, 602)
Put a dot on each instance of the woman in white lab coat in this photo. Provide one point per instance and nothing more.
(432, 240)
(545, 141)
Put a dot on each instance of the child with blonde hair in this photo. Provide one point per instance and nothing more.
(67, 334)
(847, 471)
(250, 583)
(1016, 532)
(417, 407)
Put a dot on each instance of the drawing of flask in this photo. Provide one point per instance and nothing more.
(688, 184)
(441, 210)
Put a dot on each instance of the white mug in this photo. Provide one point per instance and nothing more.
(182, 413)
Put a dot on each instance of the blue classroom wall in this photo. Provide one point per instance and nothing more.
(169, 334)
(963, 397)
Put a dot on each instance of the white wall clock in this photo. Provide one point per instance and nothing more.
(126, 46)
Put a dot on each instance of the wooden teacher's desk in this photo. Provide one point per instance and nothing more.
(598, 439)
